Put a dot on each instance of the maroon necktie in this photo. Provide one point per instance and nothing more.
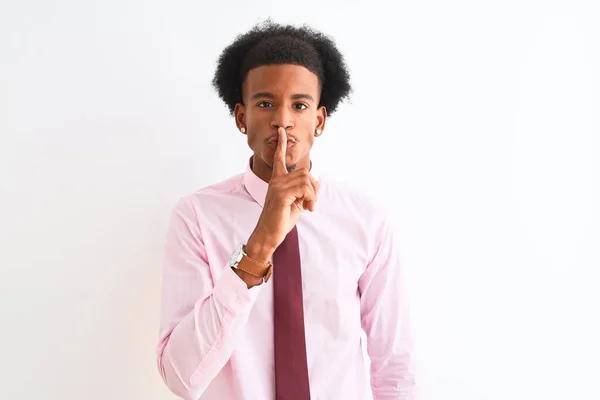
(291, 371)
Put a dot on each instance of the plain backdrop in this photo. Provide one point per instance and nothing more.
(476, 124)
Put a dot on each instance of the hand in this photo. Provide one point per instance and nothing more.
(289, 194)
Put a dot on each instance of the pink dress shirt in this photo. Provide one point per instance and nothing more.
(216, 335)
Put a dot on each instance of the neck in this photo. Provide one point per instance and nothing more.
(265, 171)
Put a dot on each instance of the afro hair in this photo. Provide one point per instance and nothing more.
(271, 43)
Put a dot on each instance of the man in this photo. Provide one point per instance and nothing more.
(271, 275)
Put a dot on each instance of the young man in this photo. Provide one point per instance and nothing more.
(271, 275)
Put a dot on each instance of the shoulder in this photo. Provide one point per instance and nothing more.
(221, 188)
(210, 195)
(361, 213)
(346, 195)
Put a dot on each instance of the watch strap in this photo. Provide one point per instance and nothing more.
(255, 268)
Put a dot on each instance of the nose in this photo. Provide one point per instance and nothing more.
(282, 117)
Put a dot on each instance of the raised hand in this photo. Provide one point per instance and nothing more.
(288, 195)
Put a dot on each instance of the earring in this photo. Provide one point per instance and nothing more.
(243, 130)
(318, 132)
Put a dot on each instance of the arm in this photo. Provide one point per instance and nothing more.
(385, 320)
(200, 317)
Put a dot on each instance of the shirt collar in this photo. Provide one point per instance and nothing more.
(258, 188)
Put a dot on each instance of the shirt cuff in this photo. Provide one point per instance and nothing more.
(233, 292)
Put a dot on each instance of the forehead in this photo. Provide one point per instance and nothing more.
(285, 79)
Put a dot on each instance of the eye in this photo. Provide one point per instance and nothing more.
(300, 106)
(264, 104)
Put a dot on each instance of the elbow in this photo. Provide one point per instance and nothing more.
(173, 380)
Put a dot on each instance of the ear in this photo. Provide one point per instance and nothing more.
(240, 116)
(321, 118)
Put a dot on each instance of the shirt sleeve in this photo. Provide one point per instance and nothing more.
(200, 318)
(385, 320)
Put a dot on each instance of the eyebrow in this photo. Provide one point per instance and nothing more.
(272, 96)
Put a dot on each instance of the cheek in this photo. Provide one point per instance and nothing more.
(254, 126)
(257, 119)
(252, 141)
(255, 141)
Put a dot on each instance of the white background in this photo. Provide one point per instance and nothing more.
(477, 123)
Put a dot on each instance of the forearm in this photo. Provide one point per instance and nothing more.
(392, 376)
(389, 342)
(390, 345)
(201, 343)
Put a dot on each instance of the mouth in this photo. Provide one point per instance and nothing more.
(275, 142)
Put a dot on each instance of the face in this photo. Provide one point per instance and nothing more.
(280, 96)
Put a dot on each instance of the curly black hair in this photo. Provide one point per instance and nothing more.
(271, 43)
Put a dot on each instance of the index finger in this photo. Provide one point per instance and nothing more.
(279, 167)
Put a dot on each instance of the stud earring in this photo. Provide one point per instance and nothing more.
(243, 130)
(318, 132)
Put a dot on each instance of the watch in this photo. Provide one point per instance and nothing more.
(240, 260)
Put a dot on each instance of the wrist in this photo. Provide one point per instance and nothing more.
(250, 280)
(258, 248)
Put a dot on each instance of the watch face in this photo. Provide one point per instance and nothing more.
(236, 256)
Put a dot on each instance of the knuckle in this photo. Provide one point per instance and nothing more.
(301, 172)
(308, 190)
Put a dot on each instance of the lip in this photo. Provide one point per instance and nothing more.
(273, 144)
